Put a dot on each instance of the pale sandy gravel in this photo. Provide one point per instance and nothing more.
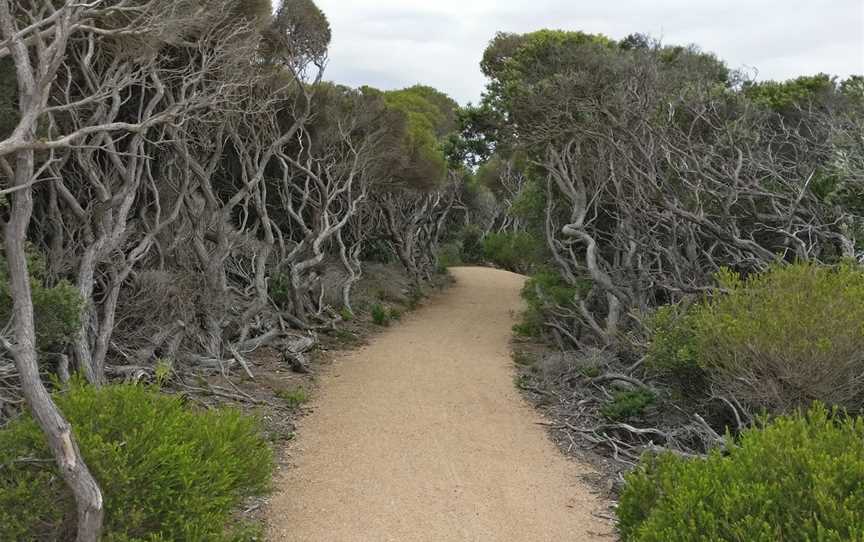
(422, 436)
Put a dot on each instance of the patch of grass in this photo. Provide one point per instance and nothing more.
(295, 398)
(628, 404)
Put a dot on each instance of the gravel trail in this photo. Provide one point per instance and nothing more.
(422, 436)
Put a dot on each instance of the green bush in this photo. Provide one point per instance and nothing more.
(472, 244)
(295, 398)
(449, 255)
(519, 252)
(167, 472)
(380, 315)
(280, 289)
(542, 291)
(778, 340)
(628, 404)
(800, 478)
(673, 350)
(56, 309)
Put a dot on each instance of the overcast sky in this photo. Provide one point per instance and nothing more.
(397, 43)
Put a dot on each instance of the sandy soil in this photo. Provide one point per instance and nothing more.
(422, 436)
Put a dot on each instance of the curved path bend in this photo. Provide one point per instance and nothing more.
(422, 436)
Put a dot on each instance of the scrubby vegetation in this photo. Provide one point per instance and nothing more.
(775, 341)
(167, 471)
(799, 477)
(693, 240)
(692, 236)
(181, 187)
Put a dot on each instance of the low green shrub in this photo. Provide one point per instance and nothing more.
(519, 252)
(472, 244)
(449, 255)
(295, 397)
(380, 315)
(799, 477)
(673, 349)
(544, 290)
(56, 308)
(776, 341)
(531, 324)
(280, 289)
(628, 404)
(346, 314)
(167, 472)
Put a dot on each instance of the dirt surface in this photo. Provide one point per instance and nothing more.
(421, 435)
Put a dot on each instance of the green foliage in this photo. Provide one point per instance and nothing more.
(628, 404)
(530, 205)
(776, 340)
(783, 96)
(57, 309)
(531, 325)
(430, 116)
(519, 252)
(673, 350)
(167, 472)
(280, 289)
(295, 398)
(535, 55)
(380, 315)
(378, 251)
(545, 289)
(798, 478)
(299, 29)
(8, 97)
(346, 314)
(449, 255)
(473, 249)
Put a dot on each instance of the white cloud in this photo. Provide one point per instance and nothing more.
(397, 43)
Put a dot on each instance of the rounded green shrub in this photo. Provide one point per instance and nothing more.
(167, 472)
(776, 341)
(798, 478)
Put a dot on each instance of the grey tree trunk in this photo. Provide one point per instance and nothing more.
(57, 430)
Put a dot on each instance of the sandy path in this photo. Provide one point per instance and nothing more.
(422, 436)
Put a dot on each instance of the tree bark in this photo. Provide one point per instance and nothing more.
(57, 430)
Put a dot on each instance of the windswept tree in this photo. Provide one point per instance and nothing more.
(657, 171)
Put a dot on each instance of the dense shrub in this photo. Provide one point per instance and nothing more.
(380, 315)
(167, 472)
(777, 340)
(56, 308)
(544, 290)
(472, 244)
(800, 478)
(519, 252)
(673, 350)
(280, 289)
